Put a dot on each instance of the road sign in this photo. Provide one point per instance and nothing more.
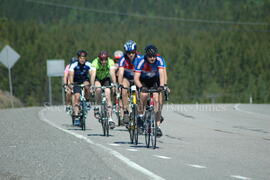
(9, 56)
(55, 68)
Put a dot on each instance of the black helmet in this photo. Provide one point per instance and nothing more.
(151, 50)
(103, 55)
(81, 53)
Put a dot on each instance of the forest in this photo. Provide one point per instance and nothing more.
(216, 51)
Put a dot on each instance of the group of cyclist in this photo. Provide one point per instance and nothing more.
(146, 71)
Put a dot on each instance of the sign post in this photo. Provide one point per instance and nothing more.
(8, 57)
(55, 68)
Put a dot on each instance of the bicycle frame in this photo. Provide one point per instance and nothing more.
(150, 122)
(117, 108)
(82, 108)
(104, 118)
(133, 127)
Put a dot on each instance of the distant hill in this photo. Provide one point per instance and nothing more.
(215, 50)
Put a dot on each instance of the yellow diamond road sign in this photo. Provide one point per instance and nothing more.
(9, 56)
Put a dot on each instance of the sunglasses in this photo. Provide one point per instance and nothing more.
(151, 56)
(103, 59)
(131, 52)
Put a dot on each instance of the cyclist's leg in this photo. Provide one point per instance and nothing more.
(141, 109)
(87, 93)
(157, 107)
(107, 82)
(157, 100)
(76, 91)
(98, 91)
(126, 84)
(125, 94)
(68, 99)
(87, 90)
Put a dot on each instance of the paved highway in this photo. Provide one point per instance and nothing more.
(200, 142)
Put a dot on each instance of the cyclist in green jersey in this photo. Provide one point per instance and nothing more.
(103, 74)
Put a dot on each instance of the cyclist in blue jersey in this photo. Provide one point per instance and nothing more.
(126, 74)
(79, 73)
(149, 74)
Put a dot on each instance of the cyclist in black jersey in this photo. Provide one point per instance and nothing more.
(79, 73)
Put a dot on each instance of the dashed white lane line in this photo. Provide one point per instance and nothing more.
(240, 177)
(236, 107)
(134, 150)
(197, 166)
(127, 161)
(162, 157)
(114, 144)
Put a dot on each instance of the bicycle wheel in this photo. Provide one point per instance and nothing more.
(134, 114)
(73, 119)
(107, 126)
(131, 129)
(117, 112)
(83, 115)
(147, 129)
(103, 116)
(153, 129)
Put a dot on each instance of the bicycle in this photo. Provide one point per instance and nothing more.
(70, 111)
(103, 114)
(133, 124)
(150, 123)
(82, 108)
(117, 108)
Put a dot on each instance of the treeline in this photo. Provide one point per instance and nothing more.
(207, 61)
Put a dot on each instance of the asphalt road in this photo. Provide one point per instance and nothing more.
(200, 142)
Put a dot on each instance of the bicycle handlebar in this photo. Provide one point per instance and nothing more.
(153, 91)
(102, 87)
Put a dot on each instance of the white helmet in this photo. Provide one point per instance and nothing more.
(118, 54)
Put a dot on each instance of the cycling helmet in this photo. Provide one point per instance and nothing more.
(151, 51)
(81, 53)
(118, 54)
(103, 55)
(73, 60)
(130, 46)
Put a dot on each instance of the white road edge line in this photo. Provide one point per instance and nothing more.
(162, 157)
(197, 166)
(240, 177)
(114, 144)
(113, 152)
(236, 107)
(134, 150)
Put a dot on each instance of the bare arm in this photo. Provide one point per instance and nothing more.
(165, 76)
(120, 75)
(161, 77)
(137, 76)
(112, 73)
(65, 79)
(71, 77)
(90, 75)
(93, 77)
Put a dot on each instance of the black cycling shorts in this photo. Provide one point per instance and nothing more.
(77, 88)
(152, 83)
(104, 82)
(131, 81)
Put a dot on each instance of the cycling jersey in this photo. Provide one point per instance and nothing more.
(128, 66)
(102, 72)
(81, 71)
(147, 69)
